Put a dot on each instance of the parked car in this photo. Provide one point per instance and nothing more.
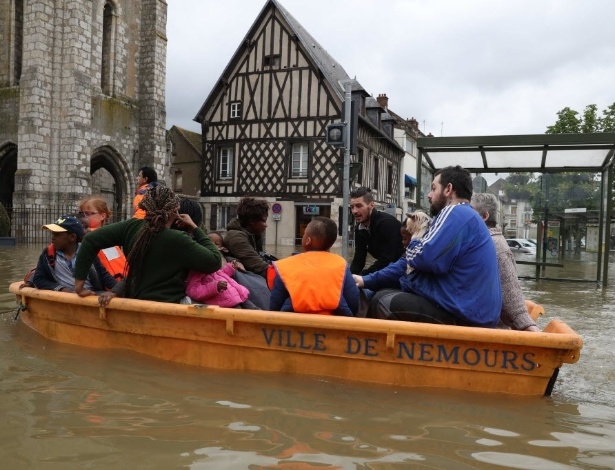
(521, 245)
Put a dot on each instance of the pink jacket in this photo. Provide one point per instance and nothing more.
(204, 288)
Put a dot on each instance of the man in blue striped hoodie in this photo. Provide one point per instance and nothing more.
(455, 278)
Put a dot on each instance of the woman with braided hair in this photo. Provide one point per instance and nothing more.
(159, 257)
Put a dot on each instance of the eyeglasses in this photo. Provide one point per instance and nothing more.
(87, 214)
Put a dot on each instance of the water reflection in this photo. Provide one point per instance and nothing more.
(70, 407)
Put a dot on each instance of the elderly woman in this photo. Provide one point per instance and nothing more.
(244, 237)
(159, 257)
(514, 312)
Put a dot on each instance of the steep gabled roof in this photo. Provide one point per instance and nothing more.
(331, 70)
(193, 138)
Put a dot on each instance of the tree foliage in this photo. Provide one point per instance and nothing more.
(570, 122)
(565, 190)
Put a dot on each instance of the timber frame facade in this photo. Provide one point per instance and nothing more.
(263, 132)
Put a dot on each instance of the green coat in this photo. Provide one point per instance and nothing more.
(171, 255)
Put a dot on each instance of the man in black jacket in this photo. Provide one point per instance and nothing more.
(376, 233)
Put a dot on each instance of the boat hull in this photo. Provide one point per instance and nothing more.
(366, 350)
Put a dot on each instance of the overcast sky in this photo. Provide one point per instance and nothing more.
(460, 67)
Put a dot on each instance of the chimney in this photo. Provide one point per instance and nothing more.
(383, 101)
(414, 124)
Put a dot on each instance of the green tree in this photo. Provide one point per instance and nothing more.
(569, 122)
(521, 186)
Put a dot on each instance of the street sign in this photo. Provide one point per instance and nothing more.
(573, 210)
(276, 217)
(276, 208)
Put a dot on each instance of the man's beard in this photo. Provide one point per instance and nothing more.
(436, 205)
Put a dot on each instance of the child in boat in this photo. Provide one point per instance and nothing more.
(96, 214)
(316, 281)
(56, 264)
(217, 288)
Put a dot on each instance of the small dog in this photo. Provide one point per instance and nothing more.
(417, 224)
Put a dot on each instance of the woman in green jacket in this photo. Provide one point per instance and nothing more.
(159, 257)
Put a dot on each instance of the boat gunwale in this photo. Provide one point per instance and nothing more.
(565, 339)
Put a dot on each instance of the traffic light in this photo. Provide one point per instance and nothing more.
(336, 134)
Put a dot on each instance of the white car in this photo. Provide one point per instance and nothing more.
(521, 245)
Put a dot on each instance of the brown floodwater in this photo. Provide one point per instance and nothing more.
(67, 407)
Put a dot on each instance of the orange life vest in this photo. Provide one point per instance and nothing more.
(314, 281)
(116, 266)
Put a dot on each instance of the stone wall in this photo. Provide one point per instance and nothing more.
(59, 116)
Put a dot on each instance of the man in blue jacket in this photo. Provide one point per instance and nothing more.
(455, 278)
(54, 270)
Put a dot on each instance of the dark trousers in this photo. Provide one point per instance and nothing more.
(392, 304)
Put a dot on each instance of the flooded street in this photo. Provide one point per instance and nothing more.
(67, 407)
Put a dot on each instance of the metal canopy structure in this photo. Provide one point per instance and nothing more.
(544, 153)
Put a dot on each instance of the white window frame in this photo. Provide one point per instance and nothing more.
(235, 110)
(226, 160)
(300, 157)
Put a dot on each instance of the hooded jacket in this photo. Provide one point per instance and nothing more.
(246, 247)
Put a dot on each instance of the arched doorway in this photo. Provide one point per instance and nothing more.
(8, 167)
(110, 177)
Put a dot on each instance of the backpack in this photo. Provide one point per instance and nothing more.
(50, 252)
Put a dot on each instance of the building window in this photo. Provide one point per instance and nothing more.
(225, 163)
(272, 60)
(409, 145)
(376, 173)
(18, 44)
(389, 179)
(235, 110)
(225, 214)
(108, 39)
(299, 161)
(360, 160)
(178, 180)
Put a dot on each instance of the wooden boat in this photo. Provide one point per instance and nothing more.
(366, 350)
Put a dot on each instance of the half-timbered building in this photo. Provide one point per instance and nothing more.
(263, 129)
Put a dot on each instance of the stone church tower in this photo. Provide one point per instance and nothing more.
(82, 99)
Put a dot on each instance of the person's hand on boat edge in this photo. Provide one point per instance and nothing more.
(79, 289)
(105, 297)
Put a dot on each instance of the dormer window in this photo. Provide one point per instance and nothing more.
(272, 60)
(235, 110)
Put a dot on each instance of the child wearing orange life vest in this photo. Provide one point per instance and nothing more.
(217, 288)
(97, 213)
(316, 281)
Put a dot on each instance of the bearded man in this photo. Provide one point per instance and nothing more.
(376, 233)
(455, 278)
